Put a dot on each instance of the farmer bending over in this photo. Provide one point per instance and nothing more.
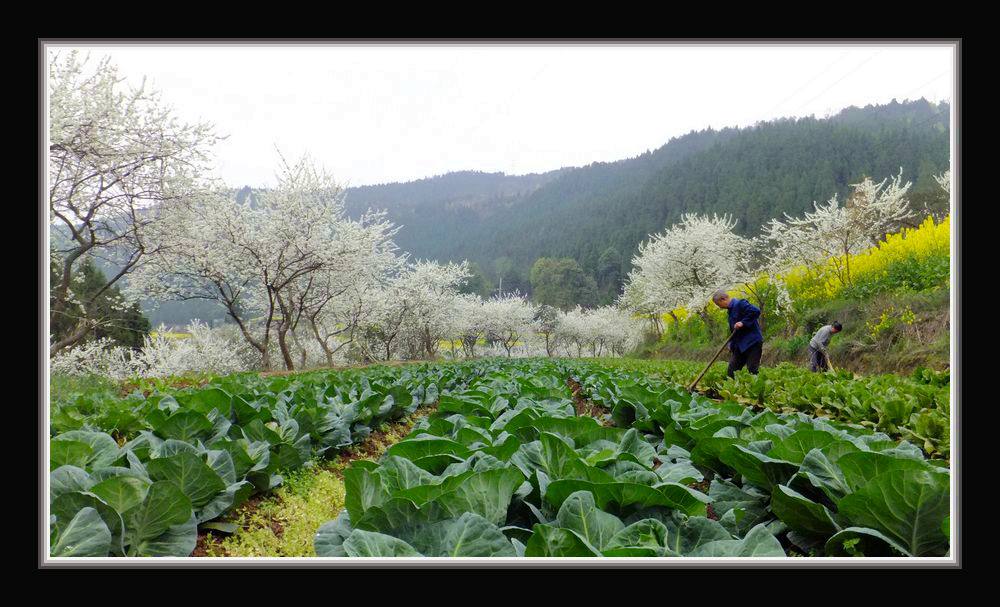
(818, 359)
(746, 345)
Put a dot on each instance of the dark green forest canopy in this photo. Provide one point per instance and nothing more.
(562, 283)
(598, 214)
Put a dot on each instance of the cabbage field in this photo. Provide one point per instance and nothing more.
(517, 458)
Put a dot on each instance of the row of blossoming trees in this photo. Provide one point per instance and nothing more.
(302, 283)
(130, 184)
(676, 271)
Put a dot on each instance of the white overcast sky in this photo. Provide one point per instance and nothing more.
(377, 114)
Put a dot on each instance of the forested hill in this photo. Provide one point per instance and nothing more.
(599, 213)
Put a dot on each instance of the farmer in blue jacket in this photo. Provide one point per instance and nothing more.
(747, 343)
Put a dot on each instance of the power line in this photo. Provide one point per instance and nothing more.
(803, 87)
(944, 73)
(841, 79)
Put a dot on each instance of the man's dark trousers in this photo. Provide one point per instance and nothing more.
(817, 360)
(749, 358)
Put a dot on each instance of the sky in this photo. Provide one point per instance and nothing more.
(378, 114)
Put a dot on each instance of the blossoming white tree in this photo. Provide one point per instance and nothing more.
(614, 331)
(414, 312)
(470, 323)
(332, 301)
(637, 298)
(547, 325)
(603, 331)
(573, 331)
(509, 318)
(118, 159)
(382, 323)
(880, 208)
(832, 232)
(265, 261)
(432, 291)
(683, 265)
(212, 350)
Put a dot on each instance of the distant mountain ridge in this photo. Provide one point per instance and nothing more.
(599, 213)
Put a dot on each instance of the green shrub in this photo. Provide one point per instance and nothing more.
(792, 347)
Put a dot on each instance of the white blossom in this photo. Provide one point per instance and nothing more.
(944, 181)
(509, 318)
(273, 260)
(118, 159)
(205, 350)
(831, 233)
(684, 265)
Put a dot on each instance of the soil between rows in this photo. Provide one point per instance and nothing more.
(209, 544)
(585, 407)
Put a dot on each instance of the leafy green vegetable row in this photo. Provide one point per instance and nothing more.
(506, 468)
(839, 489)
(915, 408)
(207, 450)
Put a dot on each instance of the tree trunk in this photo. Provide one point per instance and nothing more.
(301, 349)
(283, 326)
(322, 342)
(72, 339)
(469, 345)
(62, 291)
(261, 346)
(431, 352)
(703, 313)
(286, 354)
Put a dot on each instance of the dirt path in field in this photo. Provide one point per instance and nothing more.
(371, 449)
(585, 407)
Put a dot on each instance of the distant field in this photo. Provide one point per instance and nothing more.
(169, 335)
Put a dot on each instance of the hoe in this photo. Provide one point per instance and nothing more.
(711, 362)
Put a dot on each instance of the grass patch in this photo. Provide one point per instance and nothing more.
(284, 523)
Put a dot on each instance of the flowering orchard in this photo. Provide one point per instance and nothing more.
(305, 285)
(302, 283)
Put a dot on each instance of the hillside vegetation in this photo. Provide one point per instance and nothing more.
(895, 310)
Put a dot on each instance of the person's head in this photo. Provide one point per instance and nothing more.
(721, 298)
(836, 327)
